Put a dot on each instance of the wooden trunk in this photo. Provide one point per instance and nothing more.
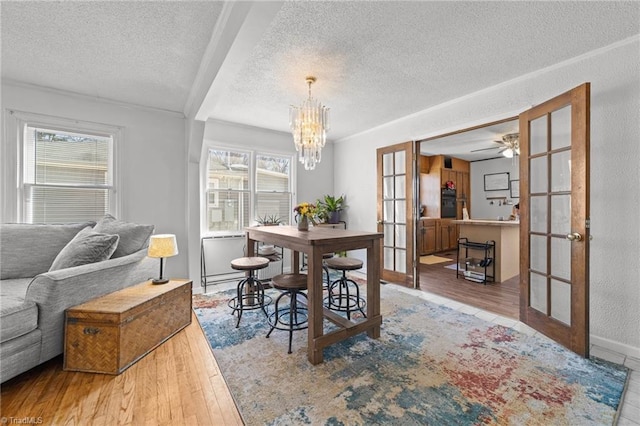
(112, 332)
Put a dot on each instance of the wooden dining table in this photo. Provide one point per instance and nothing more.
(314, 243)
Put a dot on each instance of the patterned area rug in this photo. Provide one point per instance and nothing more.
(432, 365)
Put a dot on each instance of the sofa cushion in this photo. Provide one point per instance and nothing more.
(17, 318)
(87, 246)
(27, 250)
(133, 236)
(20, 354)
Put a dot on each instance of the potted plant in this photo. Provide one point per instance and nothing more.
(330, 207)
(269, 220)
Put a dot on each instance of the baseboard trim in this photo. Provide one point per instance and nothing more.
(618, 347)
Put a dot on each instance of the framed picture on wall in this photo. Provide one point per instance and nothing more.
(515, 188)
(496, 182)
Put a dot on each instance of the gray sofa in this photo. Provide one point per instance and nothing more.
(33, 298)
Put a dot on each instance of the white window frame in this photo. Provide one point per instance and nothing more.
(253, 153)
(292, 166)
(13, 199)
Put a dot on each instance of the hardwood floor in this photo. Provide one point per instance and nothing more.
(500, 298)
(177, 383)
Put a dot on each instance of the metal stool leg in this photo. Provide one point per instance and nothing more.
(256, 300)
(294, 323)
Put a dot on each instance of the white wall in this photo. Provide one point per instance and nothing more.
(311, 184)
(152, 157)
(481, 207)
(615, 199)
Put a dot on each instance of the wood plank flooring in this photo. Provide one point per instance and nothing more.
(500, 298)
(178, 383)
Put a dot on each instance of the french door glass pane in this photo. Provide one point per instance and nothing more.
(388, 235)
(387, 164)
(538, 136)
(561, 128)
(538, 292)
(538, 179)
(538, 254)
(400, 187)
(561, 258)
(388, 187)
(400, 163)
(388, 258)
(388, 211)
(538, 216)
(401, 211)
(560, 214)
(561, 301)
(561, 171)
(401, 239)
(401, 261)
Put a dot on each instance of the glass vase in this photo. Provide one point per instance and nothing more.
(303, 224)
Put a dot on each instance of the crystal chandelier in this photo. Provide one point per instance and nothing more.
(309, 124)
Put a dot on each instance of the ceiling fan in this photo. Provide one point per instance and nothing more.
(510, 145)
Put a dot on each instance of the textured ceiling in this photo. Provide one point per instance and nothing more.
(144, 53)
(379, 61)
(375, 61)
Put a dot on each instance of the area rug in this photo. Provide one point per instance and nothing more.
(432, 365)
(452, 266)
(432, 260)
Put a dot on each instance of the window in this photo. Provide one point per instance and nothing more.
(67, 176)
(238, 192)
(65, 169)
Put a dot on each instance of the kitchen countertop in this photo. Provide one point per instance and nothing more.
(488, 222)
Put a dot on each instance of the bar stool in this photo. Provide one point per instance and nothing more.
(345, 300)
(326, 270)
(255, 297)
(293, 317)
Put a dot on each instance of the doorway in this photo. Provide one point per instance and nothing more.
(470, 154)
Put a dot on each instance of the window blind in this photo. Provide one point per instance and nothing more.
(67, 176)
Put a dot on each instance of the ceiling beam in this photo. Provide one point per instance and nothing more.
(238, 29)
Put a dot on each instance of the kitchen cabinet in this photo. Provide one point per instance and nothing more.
(427, 236)
(434, 176)
(448, 235)
(447, 175)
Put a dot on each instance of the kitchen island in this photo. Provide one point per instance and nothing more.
(505, 233)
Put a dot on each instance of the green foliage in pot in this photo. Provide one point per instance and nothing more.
(329, 207)
(269, 220)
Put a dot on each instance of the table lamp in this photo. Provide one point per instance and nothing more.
(162, 245)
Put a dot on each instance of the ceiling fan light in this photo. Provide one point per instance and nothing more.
(508, 153)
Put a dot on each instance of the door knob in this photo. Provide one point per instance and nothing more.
(574, 236)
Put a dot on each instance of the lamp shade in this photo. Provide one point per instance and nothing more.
(163, 245)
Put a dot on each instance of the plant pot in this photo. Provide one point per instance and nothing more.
(303, 224)
(334, 217)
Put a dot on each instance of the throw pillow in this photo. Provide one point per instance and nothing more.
(133, 236)
(86, 247)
